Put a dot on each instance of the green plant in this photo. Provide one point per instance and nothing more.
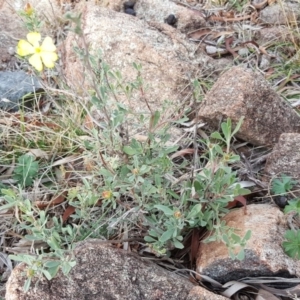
(127, 182)
(292, 244)
(216, 186)
(26, 170)
(237, 5)
(44, 265)
(282, 185)
(30, 19)
(293, 206)
(200, 87)
(227, 135)
(57, 236)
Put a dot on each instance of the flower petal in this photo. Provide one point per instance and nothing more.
(36, 62)
(49, 58)
(48, 45)
(34, 38)
(24, 48)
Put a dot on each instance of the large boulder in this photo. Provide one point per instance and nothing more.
(241, 92)
(163, 52)
(285, 157)
(286, 13)
(264, 255)
(103, 272)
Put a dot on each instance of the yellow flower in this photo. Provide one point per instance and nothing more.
(106, 194)
(41, 54)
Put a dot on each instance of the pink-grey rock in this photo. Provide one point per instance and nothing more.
(11, 31)
(285, 157)
(275, 34)
(264, 255)
(243, 92)
(155, 13)
(259, 4)
(163, 52)
(103, 273)
(116, 5)
(188, 19)
(286, 13)
(199, 293)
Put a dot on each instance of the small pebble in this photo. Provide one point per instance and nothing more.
(129, 4)
(11, 50)
(213, 50)
(171, 20)
(130, 11)
(281, 201)
(264, 62)
(244, 52)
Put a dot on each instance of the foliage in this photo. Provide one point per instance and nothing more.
(293, 206)
(36, 223)
(43, 264)
(237, 5)
(31, 20)
(170, 213)
(200, 87)
(26, 170)
(292, 244)
(127, 183)
(283, 185)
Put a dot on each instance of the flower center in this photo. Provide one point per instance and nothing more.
(37, 50)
